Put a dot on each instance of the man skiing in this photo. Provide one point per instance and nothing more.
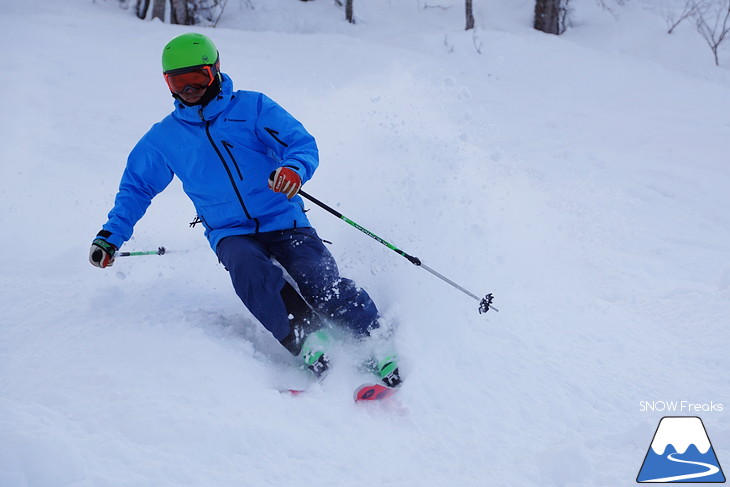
(242, 159)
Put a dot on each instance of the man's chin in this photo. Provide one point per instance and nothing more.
(192, 100)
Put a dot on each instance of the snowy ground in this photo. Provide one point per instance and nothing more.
(582, 179)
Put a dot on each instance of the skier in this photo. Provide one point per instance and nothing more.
(242, 160)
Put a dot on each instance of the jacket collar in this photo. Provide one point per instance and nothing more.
(197, 113)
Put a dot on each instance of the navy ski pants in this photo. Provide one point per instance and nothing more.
(258, 281)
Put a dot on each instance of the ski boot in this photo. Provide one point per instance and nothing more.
(314, 355)
(307, 338)
(386, 369)
(383, 359)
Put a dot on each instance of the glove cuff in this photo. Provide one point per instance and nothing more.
(101, 242)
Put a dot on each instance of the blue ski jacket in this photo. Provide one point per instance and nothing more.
(223, 154)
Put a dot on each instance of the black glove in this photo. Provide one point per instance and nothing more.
(102, 252)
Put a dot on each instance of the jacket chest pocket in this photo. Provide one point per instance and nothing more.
(228, 147)
(248, 164)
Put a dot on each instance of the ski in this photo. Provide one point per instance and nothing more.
(373, 392)
(292, 392)
(366, 392)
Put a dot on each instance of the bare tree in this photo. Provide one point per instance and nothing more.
(469, 15)
(184, 12)
(349, 15)
(608, 8)
(691, 9)
(180, 13)
(717, 29)
(140, 9)
(158, 10)
(551, 16)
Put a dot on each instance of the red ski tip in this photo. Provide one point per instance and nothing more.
(373, 392)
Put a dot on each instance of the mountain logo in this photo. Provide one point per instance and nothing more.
(680, 452)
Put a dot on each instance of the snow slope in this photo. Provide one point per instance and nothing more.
(583, 179)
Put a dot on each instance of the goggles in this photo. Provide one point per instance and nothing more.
(197, 78)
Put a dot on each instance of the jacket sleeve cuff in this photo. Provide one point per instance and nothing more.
(298, 167)
(113, 239)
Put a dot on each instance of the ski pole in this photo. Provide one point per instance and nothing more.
(159, 251)
(485, 303)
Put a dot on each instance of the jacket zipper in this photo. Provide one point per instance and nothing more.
(228, 146)
(230, 174)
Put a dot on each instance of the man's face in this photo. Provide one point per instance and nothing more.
(190, 84)
(192, 95)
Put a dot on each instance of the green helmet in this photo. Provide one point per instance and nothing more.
(188, 50)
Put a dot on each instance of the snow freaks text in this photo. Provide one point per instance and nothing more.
(680, 407)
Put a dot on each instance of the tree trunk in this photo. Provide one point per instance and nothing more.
(158, 10)
(469, 15)
(348, 12)
(141, 8)
(179, 13)
(549, 16)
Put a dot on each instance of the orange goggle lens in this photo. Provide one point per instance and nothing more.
(196, 79)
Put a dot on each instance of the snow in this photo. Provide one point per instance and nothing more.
(689, 429)
(583, 179)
